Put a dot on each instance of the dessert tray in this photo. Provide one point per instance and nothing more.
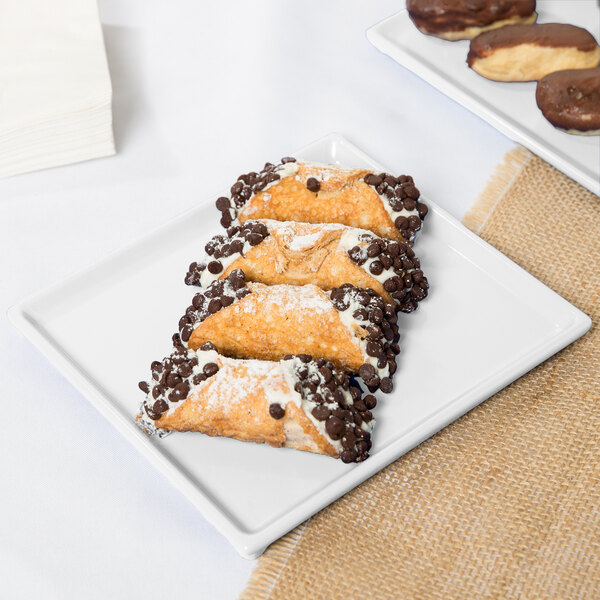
(485, 323)
(509, 107)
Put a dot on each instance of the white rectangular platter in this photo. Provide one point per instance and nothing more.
(485, 323)
(509, 107)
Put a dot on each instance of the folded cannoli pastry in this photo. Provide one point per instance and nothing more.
(353, 328)
(297, 402)
(327, 255)
(296, 191)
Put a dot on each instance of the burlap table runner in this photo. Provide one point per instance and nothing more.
(505, 502)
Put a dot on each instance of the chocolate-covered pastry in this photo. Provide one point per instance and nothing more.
(530, 52)
(570, 100)
(465, 19)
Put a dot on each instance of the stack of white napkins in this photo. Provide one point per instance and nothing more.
(55, 91)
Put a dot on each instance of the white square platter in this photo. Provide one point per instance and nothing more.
(485, 323)
(509, 107)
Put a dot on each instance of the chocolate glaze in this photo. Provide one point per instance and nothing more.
(439, 16)
(564, 97)
(555, 35)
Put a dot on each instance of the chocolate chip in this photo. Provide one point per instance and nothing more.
(373, 250)
(396, 204)
(305, 358)
(348, 440)
(226, 300)
(185, 370)
(159, 407)
(214, 306)
(348, 456)
(373, 349)
(386, 261)
(313, 184)
(287, 159)
(410, 204)
(182, 390)
(210, 369)
(389, 285)
(401, 223)
(276, 411)
(412, 192)
(414, 222)
(223, 203)
(341, 304)
(321, 413)
(370, 401)
(355, 393)
(144, 387)
(326, 374)
(361, 315)
(334, 427)
(208, 346)
(366, 371)
(237, 187)
(172, 380)
(366, 416)
(215, 267)
(198, 379)
(422, 209)
(254, 239)
(363, 297)
(376, 267)
(386, 385)
(373, 179)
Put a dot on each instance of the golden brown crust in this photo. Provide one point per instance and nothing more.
(343, 198)
(276, 260)
(267, 324)
(234, 403)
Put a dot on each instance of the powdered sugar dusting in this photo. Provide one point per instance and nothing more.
(298, 299)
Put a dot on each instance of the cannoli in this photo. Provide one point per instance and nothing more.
(529, 52)
(465, 19)
(295, 191)
(297, 402)
(353, 328)
(570, 100)
(328, 255)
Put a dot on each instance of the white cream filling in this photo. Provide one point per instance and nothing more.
(350, 239)
(227, 291)
(308, 405)
(394, 214)
(350, 322)
(206, 278)
(284, 170)
(204, 357)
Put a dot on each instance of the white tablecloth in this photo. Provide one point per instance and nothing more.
(202, 92)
